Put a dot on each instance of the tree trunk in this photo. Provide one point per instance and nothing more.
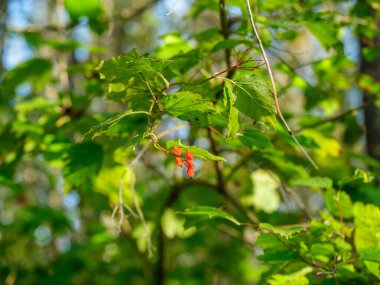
(372, 112)
(3, 24)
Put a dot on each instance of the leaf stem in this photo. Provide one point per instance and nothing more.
(275, 97)
(238, 65)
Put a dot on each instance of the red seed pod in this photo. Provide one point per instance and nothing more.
(179, 161)
(190, 164)
(190, 172)
(189, 155)
(177, 151)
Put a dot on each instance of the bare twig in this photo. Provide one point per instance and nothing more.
(245, 158)
(172, 8)
(217, 165)
(138, 11)
(238, 65)
(283, 194)
(226, 33)
(120, 206)
(141, 216)
(274, 86)
(221, 187)
(337, 117)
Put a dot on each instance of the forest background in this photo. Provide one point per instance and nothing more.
(95, 95)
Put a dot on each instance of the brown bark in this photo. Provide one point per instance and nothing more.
(3, 23)
(371, 112)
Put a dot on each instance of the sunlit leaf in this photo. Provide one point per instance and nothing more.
(296, 278)
(285, 232)
(104, 126)
(254, 97)
(265, 196)
(338, 203)
(201, 215)
(324, 31)
(188, 106)
(366, 236)
(232, 112)
(316, 182)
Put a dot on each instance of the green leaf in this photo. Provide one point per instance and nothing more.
(189, 106)
(201, 215)
(103, 127)
(325, 146)
(172, 225)
(296, 278)
(84, 161)
(197, 151)
(92, 9)
(182, 62)
(172, 45)
(132, 77)
(265, 196)
(36, 71)
(373, 267)
(88, 8)
(334, 200)
(282, 232)
(366, 236)
(125, 66)
(370, 254)
(322, 251)
(229, 43)
(232, 112)
(324, 31)
(255, 139)
(359, 178)
(254, 98)
(37, 103)
(274, 250)
(316, 182)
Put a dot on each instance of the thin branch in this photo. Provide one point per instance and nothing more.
(217, 165)
(173, 196)
(295, 196)
(295, 253)
(172, 8)
(160, 270)
(216, 131)
(141, 216)
(221, 188)
(238, 65)
(155, 169)
(275, 97)
(155, 98)
(341, 232)
(138, 11)
(284, 197)
(249, 215)
(3, 30)
(120, 206)
(337, 117)
(243, 160)
(225, 32)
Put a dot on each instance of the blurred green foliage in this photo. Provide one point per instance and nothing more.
(90, 142)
